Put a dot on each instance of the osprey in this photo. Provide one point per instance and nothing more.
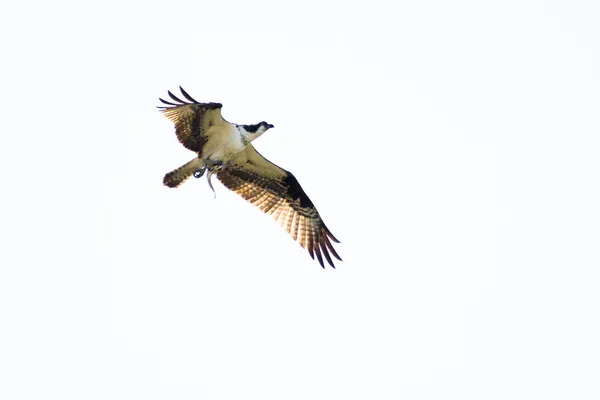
(225, 149)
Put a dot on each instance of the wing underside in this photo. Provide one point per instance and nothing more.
(191, 118)
(276, 192)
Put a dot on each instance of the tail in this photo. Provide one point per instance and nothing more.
(182, 174)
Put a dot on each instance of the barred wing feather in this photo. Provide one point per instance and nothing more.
(276, 192)
(191, 118)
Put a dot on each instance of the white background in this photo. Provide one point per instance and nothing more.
(451, 146)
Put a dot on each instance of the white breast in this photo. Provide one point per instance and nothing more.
(223, 143)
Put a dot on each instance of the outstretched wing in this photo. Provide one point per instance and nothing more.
(192, 119)
(277, 192)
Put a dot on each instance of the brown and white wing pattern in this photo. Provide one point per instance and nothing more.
(276, 192)
(192, 119)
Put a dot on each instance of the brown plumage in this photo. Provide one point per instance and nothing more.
(275, 191)
(178, 176)
(192, 120)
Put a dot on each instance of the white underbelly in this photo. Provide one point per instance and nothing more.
(223, 145)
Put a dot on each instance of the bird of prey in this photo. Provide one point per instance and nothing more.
(225, 149)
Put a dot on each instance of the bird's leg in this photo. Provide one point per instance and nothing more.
(212, 164)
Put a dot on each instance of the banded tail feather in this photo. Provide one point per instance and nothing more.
(176, 177)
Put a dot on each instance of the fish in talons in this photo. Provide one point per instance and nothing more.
(211, 172)
(200, 172)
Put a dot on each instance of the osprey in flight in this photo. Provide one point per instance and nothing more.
(224, 149)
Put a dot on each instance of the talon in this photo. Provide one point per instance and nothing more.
(213, 164)
(199, 172)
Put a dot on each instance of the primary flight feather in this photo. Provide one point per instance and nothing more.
(225, 149)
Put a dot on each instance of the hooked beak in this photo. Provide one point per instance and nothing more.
(271, 126)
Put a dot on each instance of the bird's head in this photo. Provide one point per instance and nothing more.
(253, 131)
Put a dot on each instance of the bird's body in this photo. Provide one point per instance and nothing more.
(224, 143)
(225, 149)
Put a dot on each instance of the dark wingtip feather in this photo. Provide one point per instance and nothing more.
(319, 257)
(186, 95)
(316, 247)
(331, 236)
(330, 247)
(167, 102)
(310, 251)
(328, 232)
(326, 254)
(309, 244)
(175, 97)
